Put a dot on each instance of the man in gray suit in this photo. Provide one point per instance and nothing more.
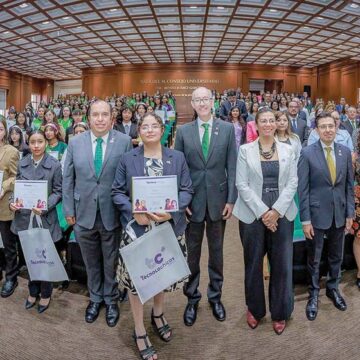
(298, 124)
(326, 207)
(210, 151)
(89, 172)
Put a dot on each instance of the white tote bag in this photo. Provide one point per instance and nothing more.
(42, 259)
(154, 260)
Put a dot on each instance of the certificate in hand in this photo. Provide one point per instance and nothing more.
(155, 194)
(31, 194)
(1, 178)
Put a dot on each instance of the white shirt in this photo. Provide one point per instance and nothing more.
(332, 152)
(36, 163)
(94, 143)
(202, 129)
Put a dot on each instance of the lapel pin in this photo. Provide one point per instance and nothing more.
(111, 140)
(340, 154)
(168, 161)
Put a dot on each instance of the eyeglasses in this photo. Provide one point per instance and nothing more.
(147, 128)
(198, 101)
(329, 126)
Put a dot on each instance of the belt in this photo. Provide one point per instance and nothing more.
(266, 190)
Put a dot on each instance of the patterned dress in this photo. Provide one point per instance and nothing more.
(152, 167)
(356, 223)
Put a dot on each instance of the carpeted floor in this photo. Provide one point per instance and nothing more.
(61, 332)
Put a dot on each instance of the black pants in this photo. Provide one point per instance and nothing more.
(215, 237)
(100, 251)
(335, 241)
(10, 251)
(42, 288)
(257, 240)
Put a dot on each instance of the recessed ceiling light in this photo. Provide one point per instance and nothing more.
(113, 10)
(45, 22)
(65, 18)
(320, 18)
(273, 10)
(193, 7)
(6, 32)
(220, 8)
(24, 5)
(354, 6)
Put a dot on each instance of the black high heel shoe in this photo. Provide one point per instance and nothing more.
(149, 350)
(358, 283)
(29, 304)
(42, 308)
(163, 330)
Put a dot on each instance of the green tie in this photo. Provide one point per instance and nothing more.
(331, 164)
(98, 156)
(205, 140)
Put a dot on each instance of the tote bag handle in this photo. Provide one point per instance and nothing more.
(38, 221)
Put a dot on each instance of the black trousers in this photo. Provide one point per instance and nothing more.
(10, 251)
(100, 251)
(42, 288)
(257, 240)
(215, 237)
(335, 240)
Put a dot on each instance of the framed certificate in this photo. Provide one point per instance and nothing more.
(31, 194)
(155, 194)
(1, 178)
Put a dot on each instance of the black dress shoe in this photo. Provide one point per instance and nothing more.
(358, 283)
(42, 308)
(312, 308)
(92, 311)
(8, 288)
(190, 314)
(218, 311)
(336, 298)
(112, 314)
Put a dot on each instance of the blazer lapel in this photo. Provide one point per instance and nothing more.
(109, 148)
(167, 162)
(321, 157)
(196, 138)
(139, 161)
(254, 157)
(214, 137)
(338, 160)
(89, 151)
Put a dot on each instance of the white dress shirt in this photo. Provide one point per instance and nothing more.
(332, 153)
(94, 143)
(202, 129)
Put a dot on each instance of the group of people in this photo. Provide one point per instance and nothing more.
(219, 174)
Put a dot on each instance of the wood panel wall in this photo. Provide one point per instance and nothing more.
(20, 87)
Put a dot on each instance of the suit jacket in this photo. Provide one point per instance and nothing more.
(9, 158)
(226, 106)
(82, 189)
(321, 202)
(132, 164)
(49, 169)
(249, 182)
(214, 178)
(302, 130)
(133, 129)
(346, 125)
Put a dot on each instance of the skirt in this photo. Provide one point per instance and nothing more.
(123, 276)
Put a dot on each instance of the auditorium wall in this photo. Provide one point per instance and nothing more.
(183, 79)
(20, 87)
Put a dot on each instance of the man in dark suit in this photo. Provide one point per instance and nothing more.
(210, 151)
(298, 125)
(326, 207)
(89, 171)
(267, 100)
(351, 123)
(341, 106)
(230, 103)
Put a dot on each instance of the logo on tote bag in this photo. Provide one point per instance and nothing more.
(157, 263)
(41, 258)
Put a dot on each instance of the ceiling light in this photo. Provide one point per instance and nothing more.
(354, 6)
(24, 5)
(65, 18)
(45, 22)
(320, 18)
(273, 10)
(193, 7)
(220, 8)
(113, 10)
(6, 32)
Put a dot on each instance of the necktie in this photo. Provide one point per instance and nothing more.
(353, 123)
(331, 164)
(294, 123)
(98, 156)
(127, 129)
(205, 140)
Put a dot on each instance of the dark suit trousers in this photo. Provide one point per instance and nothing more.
(335, 239)
(215, 237)
(10, 251)
(42, 288)
(100, 249)
(257, 240)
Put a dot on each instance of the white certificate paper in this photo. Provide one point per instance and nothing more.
(31, 194)
(155, 194)
(1, 178)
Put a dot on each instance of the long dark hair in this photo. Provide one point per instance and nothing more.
(119, 119)
(18, 131)
(241, 121)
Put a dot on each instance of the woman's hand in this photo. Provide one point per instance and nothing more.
(36, 211)
(142, 219)
(270, 217)
(159, 217)
(13, 207)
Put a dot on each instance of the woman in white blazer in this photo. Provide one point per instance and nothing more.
(284, 134)
(266, 179)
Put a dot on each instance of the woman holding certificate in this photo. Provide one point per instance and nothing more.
(150, 160)
(39, 166)
(9, 158)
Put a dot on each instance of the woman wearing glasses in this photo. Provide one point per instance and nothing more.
(266, 179)
(151, 159)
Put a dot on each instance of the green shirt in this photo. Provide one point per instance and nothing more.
(65, 123)
(36, 124)
(60, 148)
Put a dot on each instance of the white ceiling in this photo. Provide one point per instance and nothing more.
(57, 38)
